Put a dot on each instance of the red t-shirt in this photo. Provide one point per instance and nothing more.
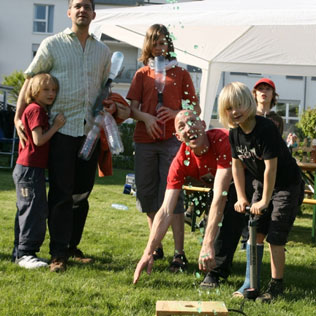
(32, 155)
(203, 168)
(178, 87)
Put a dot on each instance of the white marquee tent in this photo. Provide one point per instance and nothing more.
(270, 36)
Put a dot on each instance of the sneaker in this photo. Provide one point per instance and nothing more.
(58, 265)
(78, 256)
(31, 262)
(210, 281)
(274, 289)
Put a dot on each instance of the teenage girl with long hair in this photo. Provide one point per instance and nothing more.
(155, 150)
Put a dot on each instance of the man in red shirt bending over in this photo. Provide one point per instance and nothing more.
(204, 156)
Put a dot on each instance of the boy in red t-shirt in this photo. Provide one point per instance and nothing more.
(29, 172)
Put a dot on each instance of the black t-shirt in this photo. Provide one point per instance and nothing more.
(264, 143)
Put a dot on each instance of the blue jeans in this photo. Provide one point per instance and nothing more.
(32, 210)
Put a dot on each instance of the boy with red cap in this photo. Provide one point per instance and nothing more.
(266, 97)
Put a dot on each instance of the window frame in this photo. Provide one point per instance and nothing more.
(48, 20)
(287, 118)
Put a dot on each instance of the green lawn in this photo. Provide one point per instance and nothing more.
(116, 239)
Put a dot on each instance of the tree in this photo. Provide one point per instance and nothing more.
(15, 80)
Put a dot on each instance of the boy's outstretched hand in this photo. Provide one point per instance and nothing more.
(145, 261)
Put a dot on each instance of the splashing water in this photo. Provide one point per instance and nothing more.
(186, 162)
(173, 54)
(172, 37)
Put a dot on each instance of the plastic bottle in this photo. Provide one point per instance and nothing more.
(120, 206)
(160, 79)
(160, 73)
(91, 140)
(116, 64)
(112, 134)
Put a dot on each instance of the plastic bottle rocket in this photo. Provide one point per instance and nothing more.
(104, 119)
(160, 79)
(116, 64)
(92, 139)
(112, 134)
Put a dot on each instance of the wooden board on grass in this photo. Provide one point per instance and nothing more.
(201, 308)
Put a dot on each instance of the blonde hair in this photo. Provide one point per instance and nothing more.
(36, 84)
(235, 95)
(152, 36)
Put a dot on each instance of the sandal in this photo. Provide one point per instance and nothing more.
(158, 254)
(238, 294)
(210, 281)
(176, 265)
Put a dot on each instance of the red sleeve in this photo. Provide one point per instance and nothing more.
(35, 118)
(135, 91)
(222, 147)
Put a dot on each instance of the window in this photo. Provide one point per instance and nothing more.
(289, 110)
(294, 77)
(248, 74)
(34, 49)
(43, 18)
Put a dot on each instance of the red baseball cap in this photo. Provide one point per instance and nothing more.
(267, 81)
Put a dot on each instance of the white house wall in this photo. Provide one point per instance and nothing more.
(16, 32)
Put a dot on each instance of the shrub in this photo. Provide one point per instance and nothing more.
(307, 123)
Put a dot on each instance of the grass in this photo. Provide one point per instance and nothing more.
(116, 239)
